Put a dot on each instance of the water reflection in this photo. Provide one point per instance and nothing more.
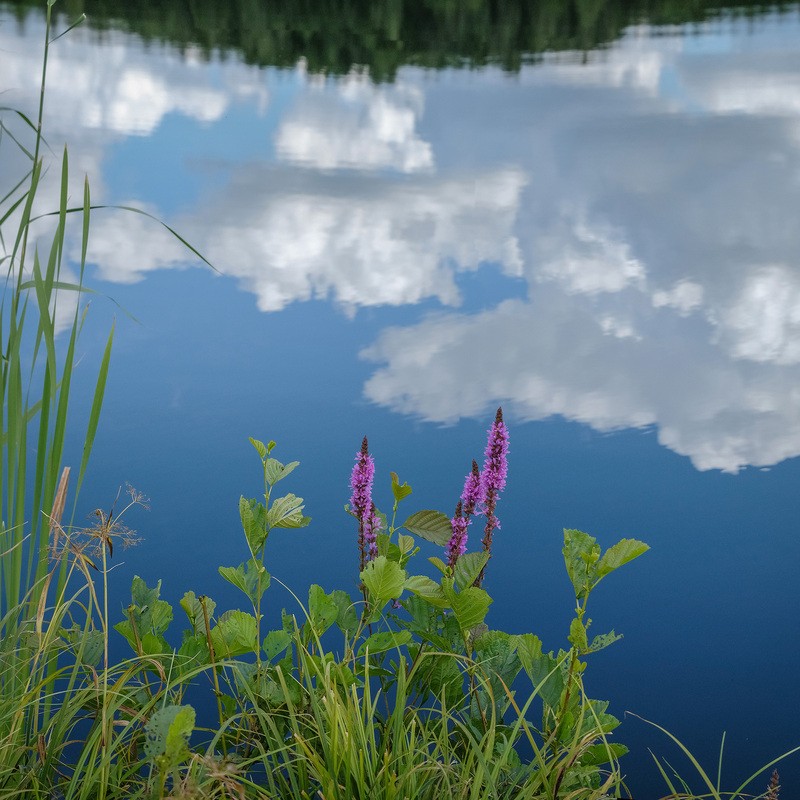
(646, 198)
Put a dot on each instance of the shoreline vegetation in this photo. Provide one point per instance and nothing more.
(403, 691)
(334, 35)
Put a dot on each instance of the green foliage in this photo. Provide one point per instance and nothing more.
(433, 526)
(167, 735)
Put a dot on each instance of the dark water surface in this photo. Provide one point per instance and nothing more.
(416, 216)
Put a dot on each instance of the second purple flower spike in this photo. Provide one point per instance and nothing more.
(361, 504)
(493, 480)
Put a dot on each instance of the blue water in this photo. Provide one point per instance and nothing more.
(609, 250)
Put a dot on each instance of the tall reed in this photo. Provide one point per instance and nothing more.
(38, 361)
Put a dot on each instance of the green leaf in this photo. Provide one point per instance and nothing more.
(386, 547)
(619, 554)
(194, 610)
(192, 652)
(470, 606)
(167, 735)
(602, 641)
(235, 634)
(142, 595)
(441, 675)
(543, 669)
(154, 644)
(577, 635)
(274, 471)
(323, 610)
(384, 580)
(149, 613)
(246, 577)
(581, 554)
(433, 526)
(596, 755)
(383, 641)
(260, 447)
(428, 590)
(287, 512)
(399, 490)
(253, 516)
(275, 642)
(405, 543)
(468, 567)
(346, 619)
(439, 564)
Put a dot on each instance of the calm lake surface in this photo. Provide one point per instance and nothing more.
(406, 234)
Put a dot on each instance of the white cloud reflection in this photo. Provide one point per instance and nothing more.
(350, 122)
(646, 197)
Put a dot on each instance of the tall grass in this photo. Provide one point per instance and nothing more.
(38, 362)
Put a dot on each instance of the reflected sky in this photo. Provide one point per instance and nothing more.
(644, 201)
(609, 240)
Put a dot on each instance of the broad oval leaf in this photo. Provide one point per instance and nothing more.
(470, 607)
(323, 609)
(275, 642)
(428, 590)
(384, 580)
(235, 634)
(619, 554)
(468, 567)
(383, 641)
(433, 526)
(274, 471)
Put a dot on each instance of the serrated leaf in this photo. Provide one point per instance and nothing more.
(405, 543)
(399, 490)
(433, 526)
(322, 609)
(581, 553)
(596, 755)
(441, 675)
(470, 607)
(275, 642)
(542, 668)
(274, 471)
(192, 652)
(468, 567)
(287, 512)
(383, 641)
(167, 735)
(259, 446)
(190, 603)
(602, 641)
(346, 619)
(235, 634)
(252, 514)
(142, 595)
(384, 580)
(428, 590)
(619, 554)
(246, 577)
(577, 635)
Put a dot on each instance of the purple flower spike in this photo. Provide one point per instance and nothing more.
(457, 545)
(493, 480)
(361, 499)
(473, 491)
(372, 526)
(471, 497)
